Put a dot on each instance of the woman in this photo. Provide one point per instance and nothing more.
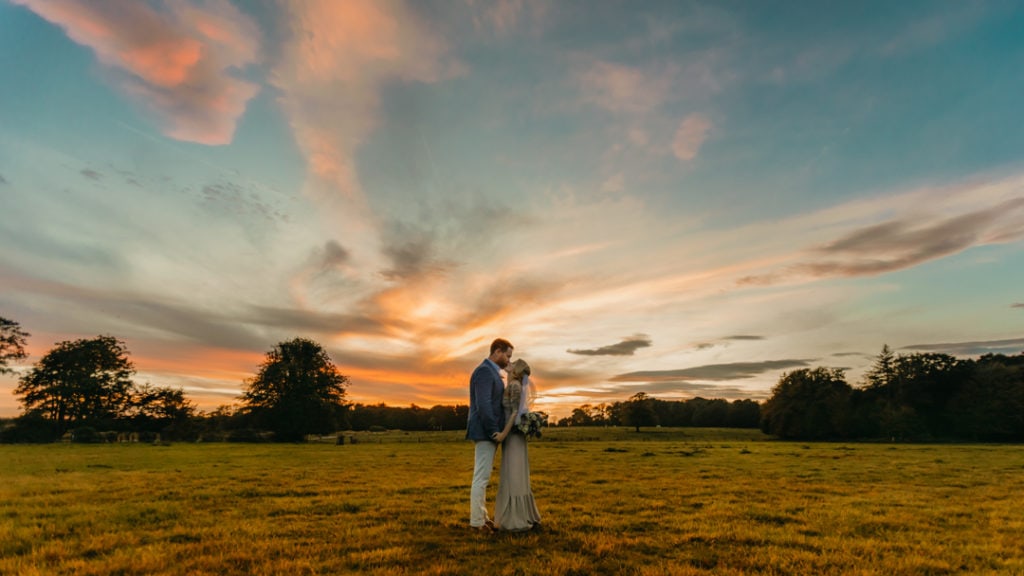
(515, 509)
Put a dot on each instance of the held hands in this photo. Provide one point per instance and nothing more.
(499, 437)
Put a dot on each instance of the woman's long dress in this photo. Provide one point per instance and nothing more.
(514, 509)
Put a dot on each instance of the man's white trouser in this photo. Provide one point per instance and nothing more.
(485, 450)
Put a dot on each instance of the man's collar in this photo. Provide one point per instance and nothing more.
(493, 365)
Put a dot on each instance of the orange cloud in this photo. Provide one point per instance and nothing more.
(175, 61)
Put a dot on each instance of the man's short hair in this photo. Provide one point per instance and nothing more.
(500, 344)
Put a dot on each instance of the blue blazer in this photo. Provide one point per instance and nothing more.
(485, 413)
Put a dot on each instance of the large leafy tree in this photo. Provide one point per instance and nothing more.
(991, 404)
(297, 391)
(80, 382)
(639, 411)
(808, 404)
(12, 343)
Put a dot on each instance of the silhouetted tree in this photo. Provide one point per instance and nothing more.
(991, 403)
(925, 385)
(639, 411)
(808, 404)
(298, 391)
(581, 416)
(743, 414)
(12, 343)
(710, 413)
(82, 383)
(161, 410)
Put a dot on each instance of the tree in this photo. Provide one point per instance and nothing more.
(991, 404)
(808, 405)
(12, 343)
(158, 409)
(883, 373)
(81, 382)
(639, 411)
(298, 391)
(581, 416)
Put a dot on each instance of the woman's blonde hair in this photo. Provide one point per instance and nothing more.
(517, 369)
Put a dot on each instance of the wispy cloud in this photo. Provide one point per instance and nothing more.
(626, 89)
(690, 136)
(626, 347)
(974, 348)
(91, 174)
(1017, 305)
(502, 17)
(731, 371)
(177, 60)
(904, 242)
(727, 339)
(934, 29)
(846, 354)
(333, 64)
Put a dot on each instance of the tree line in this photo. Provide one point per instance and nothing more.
(642, 410)
(913, 397)
(84, 389)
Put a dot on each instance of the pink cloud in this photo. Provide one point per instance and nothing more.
(332, 67)
(690, 136)
(175, 61)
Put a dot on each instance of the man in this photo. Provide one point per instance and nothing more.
(486, 420)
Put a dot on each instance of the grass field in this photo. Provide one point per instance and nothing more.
(614, 502)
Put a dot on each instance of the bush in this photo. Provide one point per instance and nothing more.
(28, 429)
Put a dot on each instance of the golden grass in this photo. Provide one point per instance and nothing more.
(675, 502)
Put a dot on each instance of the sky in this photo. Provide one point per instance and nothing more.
(682, 198)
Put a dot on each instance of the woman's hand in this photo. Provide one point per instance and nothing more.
(500, 437)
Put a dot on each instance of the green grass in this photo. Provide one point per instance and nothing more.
(613, 501)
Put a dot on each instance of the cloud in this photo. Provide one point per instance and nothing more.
(502, 17)
(690, 136)
(845, 354)
(334, 254)
(237, 202)
(91, 174)
(667, 389)
(1017, 305)
(304, 321)
(732, 371)
(334, 63)
(176, 60)
(624, 348)
(620, 88)
(411, 250)
(933, 29)
(2, 179)
(974, 348)
(737, 337)
(904, 242)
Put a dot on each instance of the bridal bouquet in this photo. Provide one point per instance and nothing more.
(531, 423)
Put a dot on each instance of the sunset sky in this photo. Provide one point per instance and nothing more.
(678, 198)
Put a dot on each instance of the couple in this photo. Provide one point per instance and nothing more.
(494, 408)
